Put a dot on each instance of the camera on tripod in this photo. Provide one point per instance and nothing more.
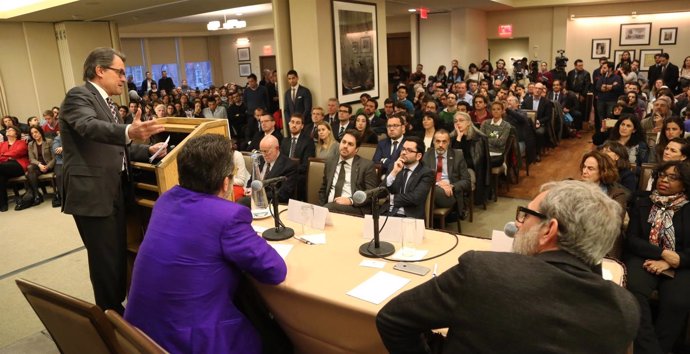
(561, 60)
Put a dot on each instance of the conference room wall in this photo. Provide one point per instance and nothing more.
(258, 40)
(30, 68)
(434, 42)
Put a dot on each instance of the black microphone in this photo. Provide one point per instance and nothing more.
(510, 229)
(134, 96)
(258, 185)
(360, 197)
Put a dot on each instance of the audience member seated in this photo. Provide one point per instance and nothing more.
(658, 257)
(605, 131)
(367, 134)
(214, 110)
(14, 160)
(628, 133)
(475, 148)
(671, 128)
(662, 110)
(409, 181)
(41, 161)
(344, 121)
(552, 274)
(376, 122)
(596, 167)
(446, 116)
(326, 145)
(268, 124)
(344, 174)
(497, 131)
(56, 149)
(523, 127)
(388, 150)
(544, 115)
(188, 268)
(452, 179)
(241, 176)
(429, 128)
(619, 154)
(51, 126)
(275, 164)
(480, 113)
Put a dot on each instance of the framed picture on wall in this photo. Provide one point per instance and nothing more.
(618, 53)
(356, 50)
(647, 58)
(636, 33)
(601, 47)
(245, 69)
(243, 54)
(668, 35)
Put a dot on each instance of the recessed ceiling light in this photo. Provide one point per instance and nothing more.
(411, 10)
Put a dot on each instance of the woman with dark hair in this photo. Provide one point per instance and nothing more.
(625, 59)
(456, 75)
(41, 160)
(14, 159)
(628, 133)
(475, 148)
(619, 154)
(474, 73)
(657, 257)
(671, 128)
(677, 149)
(367, 135)
(429, 127)
(632, 104)
(441, 75)
(596, 167)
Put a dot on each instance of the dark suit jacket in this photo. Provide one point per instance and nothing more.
(302, 103)
(419, 183)
(544, 111)
(94, 147)
(383, 151)
(670, 77)
(166, 84)
(256, 140)
(304, 150)
(489, 300)
(363, 176)
(336, 128)
(144, 87)
(457, 169)
(283, 166)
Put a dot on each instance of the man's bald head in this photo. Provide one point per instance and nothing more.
(270, 148)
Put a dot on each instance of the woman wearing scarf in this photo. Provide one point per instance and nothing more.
(658, 257)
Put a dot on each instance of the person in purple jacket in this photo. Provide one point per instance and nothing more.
(195, 251)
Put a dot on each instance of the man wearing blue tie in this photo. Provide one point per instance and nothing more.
(388, 150)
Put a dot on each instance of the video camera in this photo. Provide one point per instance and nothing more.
(561, 60)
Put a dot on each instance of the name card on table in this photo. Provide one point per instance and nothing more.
(393, 230)
(310, 215)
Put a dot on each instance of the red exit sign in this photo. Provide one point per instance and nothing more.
(505, 31)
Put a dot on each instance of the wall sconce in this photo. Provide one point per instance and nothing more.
(634, 14)
(242, 41)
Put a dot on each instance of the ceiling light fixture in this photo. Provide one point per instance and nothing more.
(226, 25)
(411, 10)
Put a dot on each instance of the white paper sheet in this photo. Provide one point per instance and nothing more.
(282, 249)
(372, 263)
(379, 287)
(319, 220)
(317, 239)
(409, 255)
(500, 242)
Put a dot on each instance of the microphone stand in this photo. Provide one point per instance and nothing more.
(280, 232)
(381, 248)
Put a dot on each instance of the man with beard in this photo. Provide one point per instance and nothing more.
(523, 302)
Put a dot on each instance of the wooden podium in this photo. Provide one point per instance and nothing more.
(150, 180)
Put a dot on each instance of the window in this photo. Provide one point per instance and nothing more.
(171, 69)
(199, 74)
(137, 72)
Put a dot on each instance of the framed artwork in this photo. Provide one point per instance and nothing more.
(243, 54)
(668, 35)
(245, 69)
(601, 47)
(647, 58)
(355, 31)
(619, 52)
(636, 33)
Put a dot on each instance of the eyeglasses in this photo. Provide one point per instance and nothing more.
(409, 151)
(119, 71)
(522, 212)
(344, 111)
(393, 126)
(668, 176)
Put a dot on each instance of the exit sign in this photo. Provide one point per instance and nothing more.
(505, 31)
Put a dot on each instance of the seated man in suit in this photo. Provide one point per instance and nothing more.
(299, 146)
(274, 165)
(344, 121)
(357, 174)
(552, 275)
(268, 127)
(544, 109)
(452, 177)
(388, 150)
(409, 181)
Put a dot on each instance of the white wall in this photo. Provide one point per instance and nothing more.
(228, 53)
(434, 42)
(398, 24)
(508, 48)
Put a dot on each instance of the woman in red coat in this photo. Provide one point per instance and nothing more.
(14, 158)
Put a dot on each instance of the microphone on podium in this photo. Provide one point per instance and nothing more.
(510, 229)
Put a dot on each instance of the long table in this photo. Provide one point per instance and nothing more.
(312, 306)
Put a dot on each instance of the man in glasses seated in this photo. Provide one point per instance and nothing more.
(409, 181)
(545, 297)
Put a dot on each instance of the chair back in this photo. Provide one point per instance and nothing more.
(367, 151)
(429, 209)
(532, 115)
(75, 325)
(247, 156)
(646, 170)
(130, 338)
(315, 172)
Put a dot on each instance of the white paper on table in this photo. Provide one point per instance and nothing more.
(372, 263)
(414, 255)
(606, 274)
(282, 248)
(500, 242)
(379, 287)
(392, 232)
(317, 239)
(319, 220)
(259, 229)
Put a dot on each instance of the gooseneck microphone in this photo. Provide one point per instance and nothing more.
(257, 185)
(359, 197)
(510, 229)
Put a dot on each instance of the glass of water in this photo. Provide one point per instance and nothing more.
(307, 214)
